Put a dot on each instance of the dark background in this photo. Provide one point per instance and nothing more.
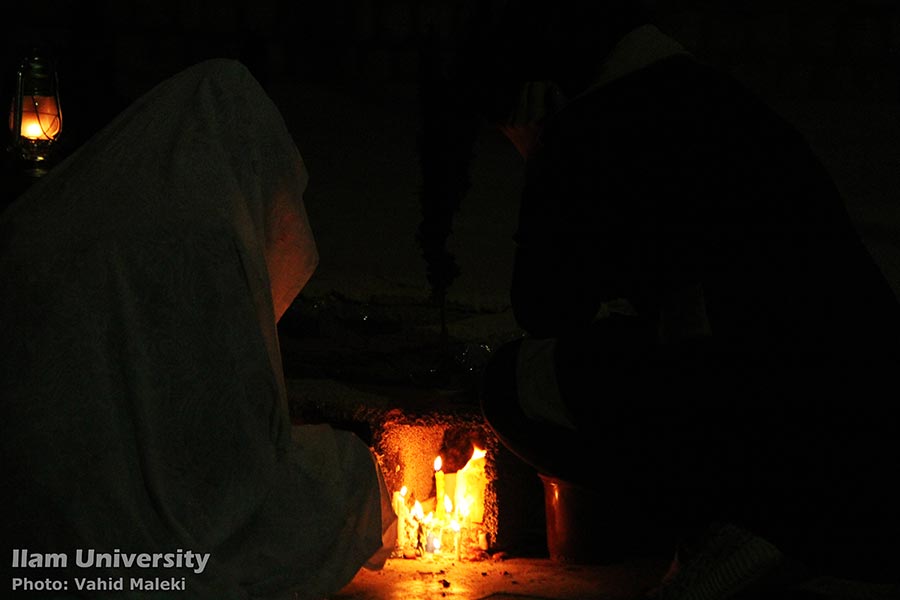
(110, 52)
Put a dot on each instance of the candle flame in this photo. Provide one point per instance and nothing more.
(458, 508)
(465, 506)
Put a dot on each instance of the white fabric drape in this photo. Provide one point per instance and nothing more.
(144, 406)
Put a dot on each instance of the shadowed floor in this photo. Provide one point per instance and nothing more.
(519, 578)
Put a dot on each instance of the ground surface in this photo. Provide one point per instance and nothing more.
(519, 578)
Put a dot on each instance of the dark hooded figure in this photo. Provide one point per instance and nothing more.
(704, 324)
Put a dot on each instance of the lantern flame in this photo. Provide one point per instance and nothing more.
(41, 118)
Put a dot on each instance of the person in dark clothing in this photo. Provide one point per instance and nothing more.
(703, 320)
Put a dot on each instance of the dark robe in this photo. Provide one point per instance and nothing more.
(745, 378)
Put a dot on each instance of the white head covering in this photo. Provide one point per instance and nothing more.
(144, 405)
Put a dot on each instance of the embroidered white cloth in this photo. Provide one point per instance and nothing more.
(144, 407)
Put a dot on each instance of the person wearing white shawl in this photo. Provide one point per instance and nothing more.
(144, 406)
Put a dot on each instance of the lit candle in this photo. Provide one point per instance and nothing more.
(450, 492)
(454, 525)
(432, 543)
(399, 502)
(470, 486)
(418, 521)
(438, 488)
